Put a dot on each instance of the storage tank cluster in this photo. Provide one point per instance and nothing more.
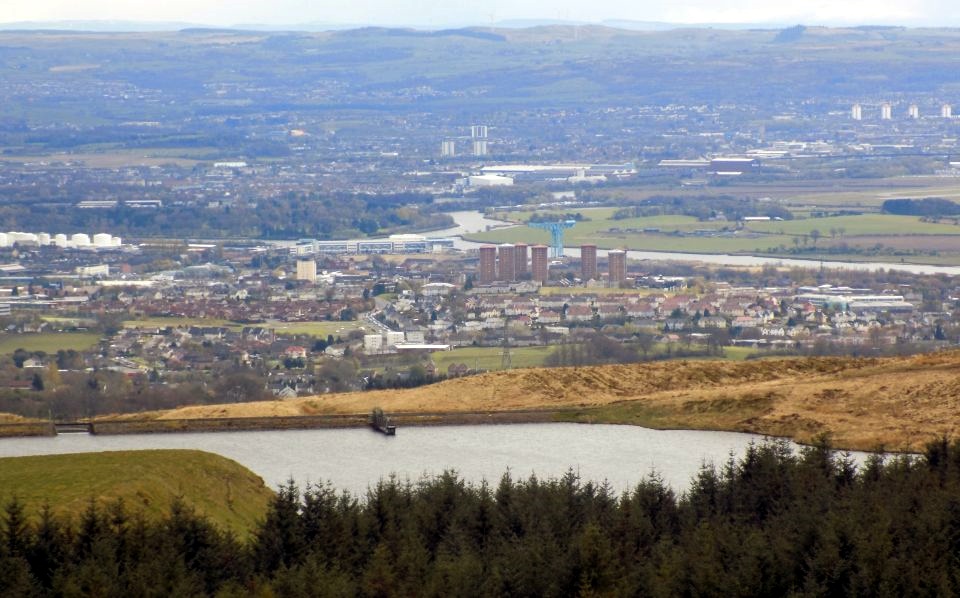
(78, 240)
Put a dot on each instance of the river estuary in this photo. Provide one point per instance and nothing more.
(472, 222)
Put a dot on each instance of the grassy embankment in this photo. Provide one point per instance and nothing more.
(491, 358)
(229, 494)
(897, 403)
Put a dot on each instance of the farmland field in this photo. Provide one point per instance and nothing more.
(48, 342)
(850, 237)
(316, 329)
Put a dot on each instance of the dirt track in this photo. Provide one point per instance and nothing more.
(898, 403)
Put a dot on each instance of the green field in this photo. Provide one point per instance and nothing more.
(673, 233)
(315, 329)
(490, 358)
(319, 329)
(231, 495)
(48, 342)
(163, 322)
(864, 224)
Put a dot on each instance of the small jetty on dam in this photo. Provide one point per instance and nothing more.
(381, 423)
(72, 428)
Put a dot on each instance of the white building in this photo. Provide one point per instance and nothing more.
(448, 148)
(886, 111)
(480, 147)
(93, 271)
(437, 289)
(489, 180)
(394, 338)
(372, 344)
(856, 112)
(307, 270)
(946, 111)
(913, 111)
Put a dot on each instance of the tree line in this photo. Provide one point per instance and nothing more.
(773, 523)
(314, 215)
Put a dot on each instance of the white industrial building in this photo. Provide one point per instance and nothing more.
(82, 240)
(390, 341)
(489, 180)
(407, 243)
(102, 270)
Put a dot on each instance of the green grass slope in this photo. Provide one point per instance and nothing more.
(229, 494)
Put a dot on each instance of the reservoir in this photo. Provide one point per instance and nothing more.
(355, 459)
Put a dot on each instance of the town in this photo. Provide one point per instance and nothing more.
(152, 325)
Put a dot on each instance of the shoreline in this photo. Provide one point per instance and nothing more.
(120, 427)
(569, 415)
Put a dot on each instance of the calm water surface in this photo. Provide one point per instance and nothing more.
(354, 459)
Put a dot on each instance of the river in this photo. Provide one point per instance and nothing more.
(354, 459)
(472, 222)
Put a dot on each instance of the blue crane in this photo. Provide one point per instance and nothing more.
(556, 233)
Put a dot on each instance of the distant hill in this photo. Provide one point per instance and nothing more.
(473, 69)
(232, 496)
(899, 403)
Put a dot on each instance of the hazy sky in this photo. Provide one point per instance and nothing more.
(440, 13)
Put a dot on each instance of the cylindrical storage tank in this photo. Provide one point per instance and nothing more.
(44, 238)
(80, 239)
(116, 241)
(4, 240)
(102, 240)
(60, 240)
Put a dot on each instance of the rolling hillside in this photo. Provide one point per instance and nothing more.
(897, 403)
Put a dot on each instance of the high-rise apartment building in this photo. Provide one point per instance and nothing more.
(522, 256)
(618, 266)
(488, 263)
(507, 268)
(588, 262)
(539, 263)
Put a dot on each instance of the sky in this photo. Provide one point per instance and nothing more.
(447, 13)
